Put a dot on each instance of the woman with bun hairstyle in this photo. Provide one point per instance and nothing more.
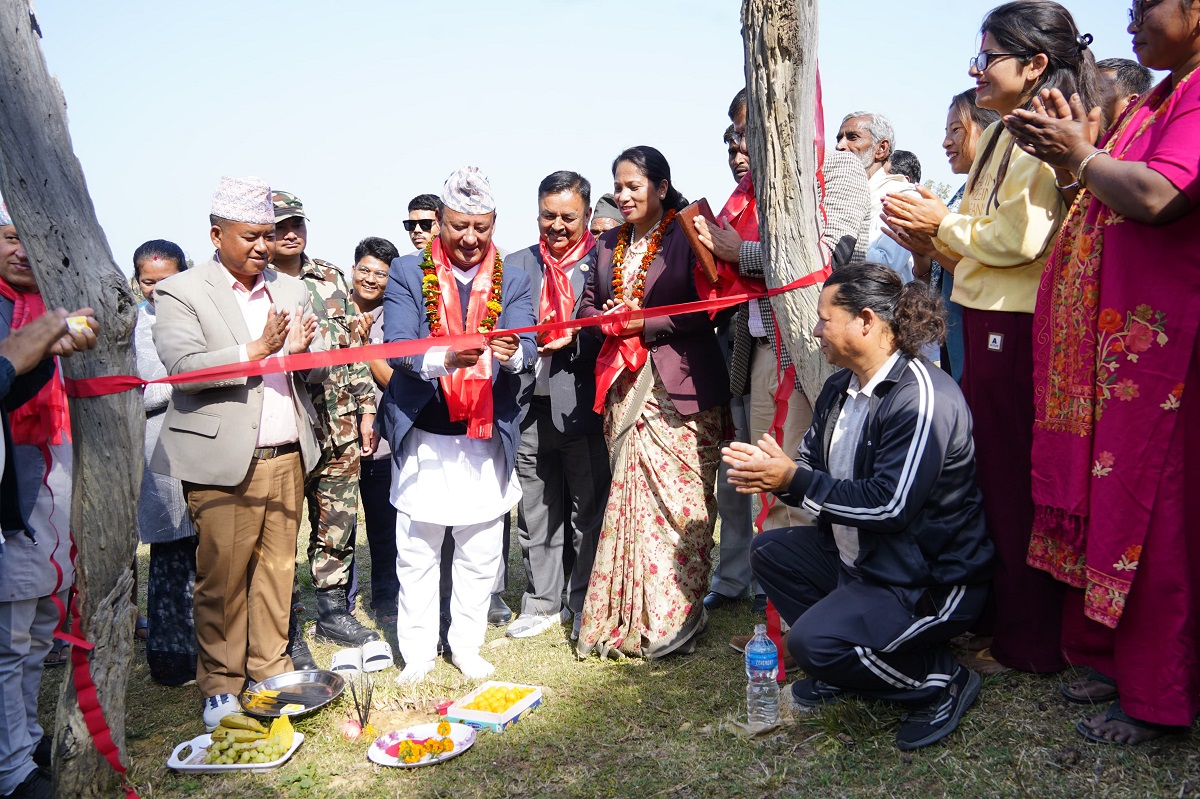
(663, 388)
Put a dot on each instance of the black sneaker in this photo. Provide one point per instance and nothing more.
(932, 723)
(38, 785)
(811, 692)
(43, 752)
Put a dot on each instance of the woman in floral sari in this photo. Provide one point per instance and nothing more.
(1116, 449)
(663, 387)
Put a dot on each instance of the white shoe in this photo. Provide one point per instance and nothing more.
(473, 666)
(528, 625)
(414, 673)
(218, 707)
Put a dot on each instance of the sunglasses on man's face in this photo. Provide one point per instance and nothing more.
(412, 224)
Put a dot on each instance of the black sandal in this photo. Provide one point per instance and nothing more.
(1115, 713)
(1099, 699)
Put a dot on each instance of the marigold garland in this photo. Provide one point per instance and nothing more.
(431, 291)
(652, 248)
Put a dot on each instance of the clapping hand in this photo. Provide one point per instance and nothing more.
(754, 469)
(1058, 131)
(921, 214)
(301, 331)
(275, 333)
(360, 332)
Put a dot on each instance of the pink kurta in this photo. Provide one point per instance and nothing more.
(1114, 448)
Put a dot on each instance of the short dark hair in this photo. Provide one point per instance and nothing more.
(566, 180)
(728, 137)
(1131, 77)
(738, 105)
(162, 249)
(914, 313)
(425, 202)
(968, 113)
(376, 247)
(653, 164)
(905, 163)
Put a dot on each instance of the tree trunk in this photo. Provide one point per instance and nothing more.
(47, 197)
(781, 78)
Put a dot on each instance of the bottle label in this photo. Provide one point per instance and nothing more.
(761, 661)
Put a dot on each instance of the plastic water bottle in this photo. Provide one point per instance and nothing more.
(762, 691)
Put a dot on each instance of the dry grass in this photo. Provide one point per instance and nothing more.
(666, 729)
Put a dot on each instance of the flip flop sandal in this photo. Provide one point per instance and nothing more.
(58, 655)
(1096, 699)
(1114, 713)
(982, 663)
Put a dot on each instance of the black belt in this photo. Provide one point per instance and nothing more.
(266, 453)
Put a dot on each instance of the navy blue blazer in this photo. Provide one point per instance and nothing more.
(573, 368)
(407, 392)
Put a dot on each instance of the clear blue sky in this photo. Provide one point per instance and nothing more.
(356, 107)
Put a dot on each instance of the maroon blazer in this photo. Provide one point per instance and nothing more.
(684, 348)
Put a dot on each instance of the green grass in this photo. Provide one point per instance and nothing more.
(662, 729)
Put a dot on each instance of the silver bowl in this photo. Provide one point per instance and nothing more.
(314, 690)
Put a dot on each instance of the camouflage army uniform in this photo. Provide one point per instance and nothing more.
(349, 392)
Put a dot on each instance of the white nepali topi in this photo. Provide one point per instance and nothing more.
(467, 191)
(245, 200)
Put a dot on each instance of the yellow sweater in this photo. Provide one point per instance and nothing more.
(1004, 247)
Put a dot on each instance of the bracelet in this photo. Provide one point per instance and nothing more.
(1083, 165)
(1067, 187)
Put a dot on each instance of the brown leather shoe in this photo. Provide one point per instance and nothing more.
(738, 644)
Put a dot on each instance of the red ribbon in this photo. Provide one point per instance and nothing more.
(114, 384)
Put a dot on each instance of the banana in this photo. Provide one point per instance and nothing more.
(237, 721)
(237, 736)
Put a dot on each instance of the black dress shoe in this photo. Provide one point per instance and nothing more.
(714, 600)
(498, 614)
(759, 605)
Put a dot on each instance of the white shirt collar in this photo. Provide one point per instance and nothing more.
(854, 390)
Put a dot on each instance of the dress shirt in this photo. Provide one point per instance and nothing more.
(433, 365)
(541, 368)
(277, 421)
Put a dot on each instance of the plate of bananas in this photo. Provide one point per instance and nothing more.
(240, 743)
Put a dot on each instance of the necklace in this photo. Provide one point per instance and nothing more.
(431, 291)
(652, 248)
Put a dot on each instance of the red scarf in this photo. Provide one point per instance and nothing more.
(45, 418)
(557, 295)
(468, 391)
(741, 212)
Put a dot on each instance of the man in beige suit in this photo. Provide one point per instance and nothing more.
(241, 446)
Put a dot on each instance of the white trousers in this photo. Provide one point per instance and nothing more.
(477, 553)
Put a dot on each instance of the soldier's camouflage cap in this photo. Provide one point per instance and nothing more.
(287, 205)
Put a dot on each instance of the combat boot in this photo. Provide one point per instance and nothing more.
(335, 622)
(297, 647)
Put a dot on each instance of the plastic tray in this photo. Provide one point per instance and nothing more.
(199, 748)
(494, 722)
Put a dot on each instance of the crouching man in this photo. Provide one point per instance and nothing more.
(899, 561)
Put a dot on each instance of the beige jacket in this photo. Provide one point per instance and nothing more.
(211, 429)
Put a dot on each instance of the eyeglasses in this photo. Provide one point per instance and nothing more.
(981, 62)
(412, 224)
(378, 274)
(1137, 14)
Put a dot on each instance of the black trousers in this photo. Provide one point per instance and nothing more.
(879, 641)
(374, 489)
